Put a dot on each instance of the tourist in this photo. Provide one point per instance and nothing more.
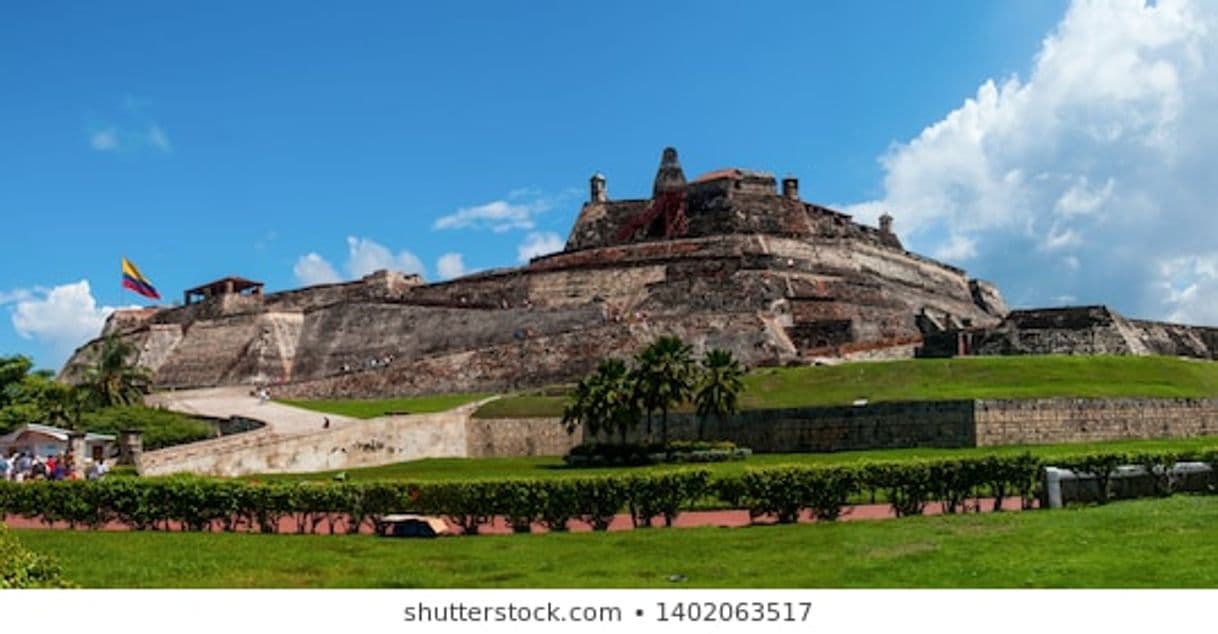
(38, 469)
(51, 464)
(25, 466)
(326, 424)
(4, 468)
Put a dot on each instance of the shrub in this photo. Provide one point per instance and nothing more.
(786, 492)
(161, 428)
(633, 454)
(599, 500)
(664, 494)
(21, 568)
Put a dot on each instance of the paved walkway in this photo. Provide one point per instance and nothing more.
(727, 518)
(223, 402)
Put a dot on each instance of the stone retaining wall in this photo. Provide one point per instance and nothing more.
(969, 423)
(1060, 420)
(506, 437)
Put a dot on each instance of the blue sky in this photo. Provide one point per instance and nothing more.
(293, 143)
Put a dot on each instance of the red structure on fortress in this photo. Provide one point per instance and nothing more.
(726, 260)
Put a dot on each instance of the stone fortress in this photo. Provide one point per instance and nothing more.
(732, 259)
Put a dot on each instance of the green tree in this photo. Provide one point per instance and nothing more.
(664, 378)
(35, 397)
(719, 387)
(604, 401)
(111, 380)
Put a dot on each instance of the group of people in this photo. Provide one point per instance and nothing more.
(22, 466)
(371, 363)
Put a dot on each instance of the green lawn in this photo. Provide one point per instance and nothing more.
(1141, 544)
(373, 408)
(943, 379)
(432, 469)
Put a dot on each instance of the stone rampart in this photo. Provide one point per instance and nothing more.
(507, 437)
(1063, 420)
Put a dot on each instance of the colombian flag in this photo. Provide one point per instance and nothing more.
(133, 280)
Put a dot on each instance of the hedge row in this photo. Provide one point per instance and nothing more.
(786, 493)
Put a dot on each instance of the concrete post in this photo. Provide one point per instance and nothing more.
(130, 448)
(76, 454)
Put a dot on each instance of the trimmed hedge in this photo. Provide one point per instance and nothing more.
(634, 455)
(784, 493)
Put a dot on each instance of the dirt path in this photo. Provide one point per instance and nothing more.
(499, 526)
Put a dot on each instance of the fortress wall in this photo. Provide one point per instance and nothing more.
(369, 443)
(1176, 339)
(543, 360)
(231, 350)
(981, 423)
(823, 429)
(510, 437)
(158, 345)
(620, 288)
(354, 333)
(1060, 420)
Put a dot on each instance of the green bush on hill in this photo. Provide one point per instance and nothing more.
(161, 428)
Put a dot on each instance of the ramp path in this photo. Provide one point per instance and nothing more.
(296, 440)
(226, 402)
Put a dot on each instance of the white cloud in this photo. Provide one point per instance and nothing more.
(158, 139)
(450, 265)
(64, 316)
(518, 211)
(1079, 200)
(498, 216)
(115, 139)
(104, 140)
(312, 269)
(365, 256)
(1103, 155)
(536, 244)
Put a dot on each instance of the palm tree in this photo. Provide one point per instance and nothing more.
(603, 401)
(111, 380)
(664, 378)
(719, 388)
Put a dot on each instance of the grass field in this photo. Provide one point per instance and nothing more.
(1144, 544)
(942, 379)
(373, 408)
(433, 469)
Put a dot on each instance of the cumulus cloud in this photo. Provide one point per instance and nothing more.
(1091, 178)
(63, 317)
(104, 140)
(450, 265)
(536, 244)
(364, 256)
(311, 269)
(115, 139)
(518, 211)
(129, 127)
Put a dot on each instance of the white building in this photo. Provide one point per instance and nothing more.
(44, 440)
